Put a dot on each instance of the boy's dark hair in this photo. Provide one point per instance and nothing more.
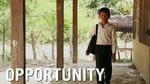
(106, 10)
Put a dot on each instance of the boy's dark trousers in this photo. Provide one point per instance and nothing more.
(103, 60)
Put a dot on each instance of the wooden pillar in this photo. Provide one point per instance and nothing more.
(75, 29)
(18, 37)
(3, 56)
(60, 35)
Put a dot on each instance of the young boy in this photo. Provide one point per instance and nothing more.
(105, 45)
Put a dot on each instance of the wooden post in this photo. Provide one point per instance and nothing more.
(3, 56)
(33, 42)
(18, 37)
(60, 35)
(118, 54)
(53, 47)
(75, 29)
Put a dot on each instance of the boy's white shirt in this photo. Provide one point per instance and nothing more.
(106, 35)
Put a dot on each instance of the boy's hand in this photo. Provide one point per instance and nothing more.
(113, 57)
(113, 54)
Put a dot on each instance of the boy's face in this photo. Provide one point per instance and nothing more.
(103, 17)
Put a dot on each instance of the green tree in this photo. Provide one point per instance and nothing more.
(4, 26)
(4, 19)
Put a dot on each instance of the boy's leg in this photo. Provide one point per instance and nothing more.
(108, 66)
(99, 63)
(99, 66)
(102, 80)
(108, 74)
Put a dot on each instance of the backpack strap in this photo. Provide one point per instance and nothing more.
(96, 29)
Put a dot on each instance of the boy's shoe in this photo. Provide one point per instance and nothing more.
(100, 82)
(108, 82)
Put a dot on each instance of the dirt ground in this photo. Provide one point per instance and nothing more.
(123, 73)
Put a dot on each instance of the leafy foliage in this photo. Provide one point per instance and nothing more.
(41, 17)
(117, 6)
(4, 19)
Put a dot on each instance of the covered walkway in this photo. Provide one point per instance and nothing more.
(141, 37)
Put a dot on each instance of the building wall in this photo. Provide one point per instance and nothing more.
(141, 49)
(142, 59)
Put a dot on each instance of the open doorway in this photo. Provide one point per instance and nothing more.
(121, 17)
(5, 32)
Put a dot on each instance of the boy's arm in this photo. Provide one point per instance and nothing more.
(114, 41)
